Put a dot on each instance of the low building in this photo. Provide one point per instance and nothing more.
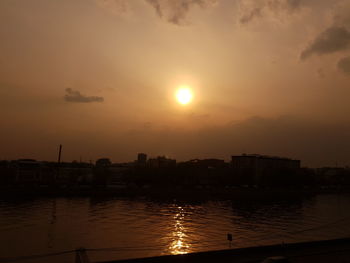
(204, 163)
(27, 171)
(161, 162)
(103, 162)
(116, 174)
(254, 166)
(333, 175)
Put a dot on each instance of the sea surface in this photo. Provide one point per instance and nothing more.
(113, 228)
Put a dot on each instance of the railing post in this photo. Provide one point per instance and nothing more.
(81, 256)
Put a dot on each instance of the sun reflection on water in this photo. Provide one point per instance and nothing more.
(179, 244)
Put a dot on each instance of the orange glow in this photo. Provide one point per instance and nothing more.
(179, 244)
(184, 95)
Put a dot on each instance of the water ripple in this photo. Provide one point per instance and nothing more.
(149, 228)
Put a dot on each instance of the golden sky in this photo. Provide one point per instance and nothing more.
(99, 76)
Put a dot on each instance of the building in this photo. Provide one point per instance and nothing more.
(27, 171)
(333, 175)
(161, 162)
(254, 166)
(204, 163)
(103, 162)
(117, 173)
(141, 159)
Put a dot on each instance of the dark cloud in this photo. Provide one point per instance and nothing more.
(176, 11)
(76, 96)
(344, 65)
(289, 5)
(335, 38)
(294, 4)
(246, 18)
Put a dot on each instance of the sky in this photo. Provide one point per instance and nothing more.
(99, 77)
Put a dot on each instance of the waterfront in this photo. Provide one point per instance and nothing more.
(143, 227)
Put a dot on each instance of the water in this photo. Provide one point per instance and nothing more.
(142, 227)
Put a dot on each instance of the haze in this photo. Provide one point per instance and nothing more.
(99, 76)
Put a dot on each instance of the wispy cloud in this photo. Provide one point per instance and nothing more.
(249, 16)
(173, 11)
(344, 65)
(176, 11)
(76, 96)
(252, 9)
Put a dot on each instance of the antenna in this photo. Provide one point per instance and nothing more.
(58, 163)
(59, 154)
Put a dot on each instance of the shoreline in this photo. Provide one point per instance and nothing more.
(171, 192)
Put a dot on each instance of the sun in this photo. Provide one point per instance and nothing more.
(184, 95)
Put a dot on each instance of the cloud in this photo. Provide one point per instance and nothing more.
(156, 5)
(333, 39)
(344, 65)
(294, 4)
(251, 9)
(76, 96)
(336, 37)
(176, 11)
(246, 18)
(173, 11)
(284, 5)
(342, 14)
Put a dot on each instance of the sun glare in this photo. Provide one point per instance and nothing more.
(184, 95)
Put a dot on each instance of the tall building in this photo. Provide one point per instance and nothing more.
(141, 159)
